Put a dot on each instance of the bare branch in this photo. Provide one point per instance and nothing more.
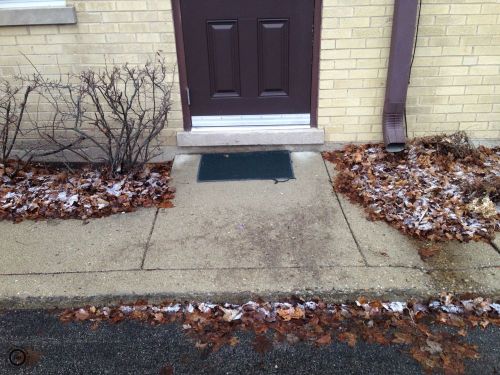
(120, 111)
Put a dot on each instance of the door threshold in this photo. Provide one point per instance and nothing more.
(251, 136)
(240, 128)
(280, 119)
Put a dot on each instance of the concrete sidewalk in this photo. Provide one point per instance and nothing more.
(233, 241)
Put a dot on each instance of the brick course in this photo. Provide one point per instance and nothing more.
(107, 32)
(455, 77)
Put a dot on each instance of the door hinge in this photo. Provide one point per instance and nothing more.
(188, 95)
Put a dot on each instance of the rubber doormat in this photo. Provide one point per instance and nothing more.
(268, 165)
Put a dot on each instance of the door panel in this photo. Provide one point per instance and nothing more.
(223, 58)
(247, 57)
(273, 45)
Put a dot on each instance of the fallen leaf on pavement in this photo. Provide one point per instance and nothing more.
(429, 251)
(82, 314)
(414, 324)
(231, 314)
(262, 344)
(166, 204)
(349, 338)
(324, 340)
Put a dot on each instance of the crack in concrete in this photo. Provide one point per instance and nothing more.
(345, 216)
(494, 245)
(149, 239)
(416, 268)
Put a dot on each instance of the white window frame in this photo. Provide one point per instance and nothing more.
(8, 4)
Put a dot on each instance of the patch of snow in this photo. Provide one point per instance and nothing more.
(452, 309)
(496, 307)
(10, 195)
(395, 306)
(126, 309)
(206, 307)
(116, 189)
(71, 200)
(311, 305)
(172, 308)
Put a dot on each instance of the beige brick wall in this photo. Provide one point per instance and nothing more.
(107, 31)
(455, 79)
(455, 82)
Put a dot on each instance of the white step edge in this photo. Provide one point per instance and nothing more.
(251, 137)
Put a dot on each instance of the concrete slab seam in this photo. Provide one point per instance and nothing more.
(495, 246)
(334, 193)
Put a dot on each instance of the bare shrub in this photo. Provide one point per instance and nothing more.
(13, 100)
(487, 186)
(457, 144)
(118, 112)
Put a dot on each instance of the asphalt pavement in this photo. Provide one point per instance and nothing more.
(136, 348)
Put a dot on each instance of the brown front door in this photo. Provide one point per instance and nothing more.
(246, 57)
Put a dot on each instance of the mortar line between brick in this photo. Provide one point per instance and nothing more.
(146, 248)
(343, 213)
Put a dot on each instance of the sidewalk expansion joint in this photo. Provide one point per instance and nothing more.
(343, 214)
(415, 268)
(146, 248)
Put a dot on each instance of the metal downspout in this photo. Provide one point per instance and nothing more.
(402, 42)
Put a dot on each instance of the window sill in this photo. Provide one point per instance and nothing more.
(38, 16)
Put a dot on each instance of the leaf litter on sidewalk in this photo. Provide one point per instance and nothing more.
(38, 191)
(414, 325)
(439, 188)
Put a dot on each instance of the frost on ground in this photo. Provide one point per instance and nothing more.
(439, 188)
(41, 192)
(416, 325)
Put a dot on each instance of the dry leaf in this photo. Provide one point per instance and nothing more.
(429, 251)
(166, 204)
(82, 314)
(262, 344)
(231, 314)
(324, 340)
(433, 347)
(402, 338)
(349, 338)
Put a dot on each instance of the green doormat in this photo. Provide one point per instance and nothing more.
(269, 165)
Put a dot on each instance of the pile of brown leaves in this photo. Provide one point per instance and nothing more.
(42, 192)
(439, 188)
(413, 324)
